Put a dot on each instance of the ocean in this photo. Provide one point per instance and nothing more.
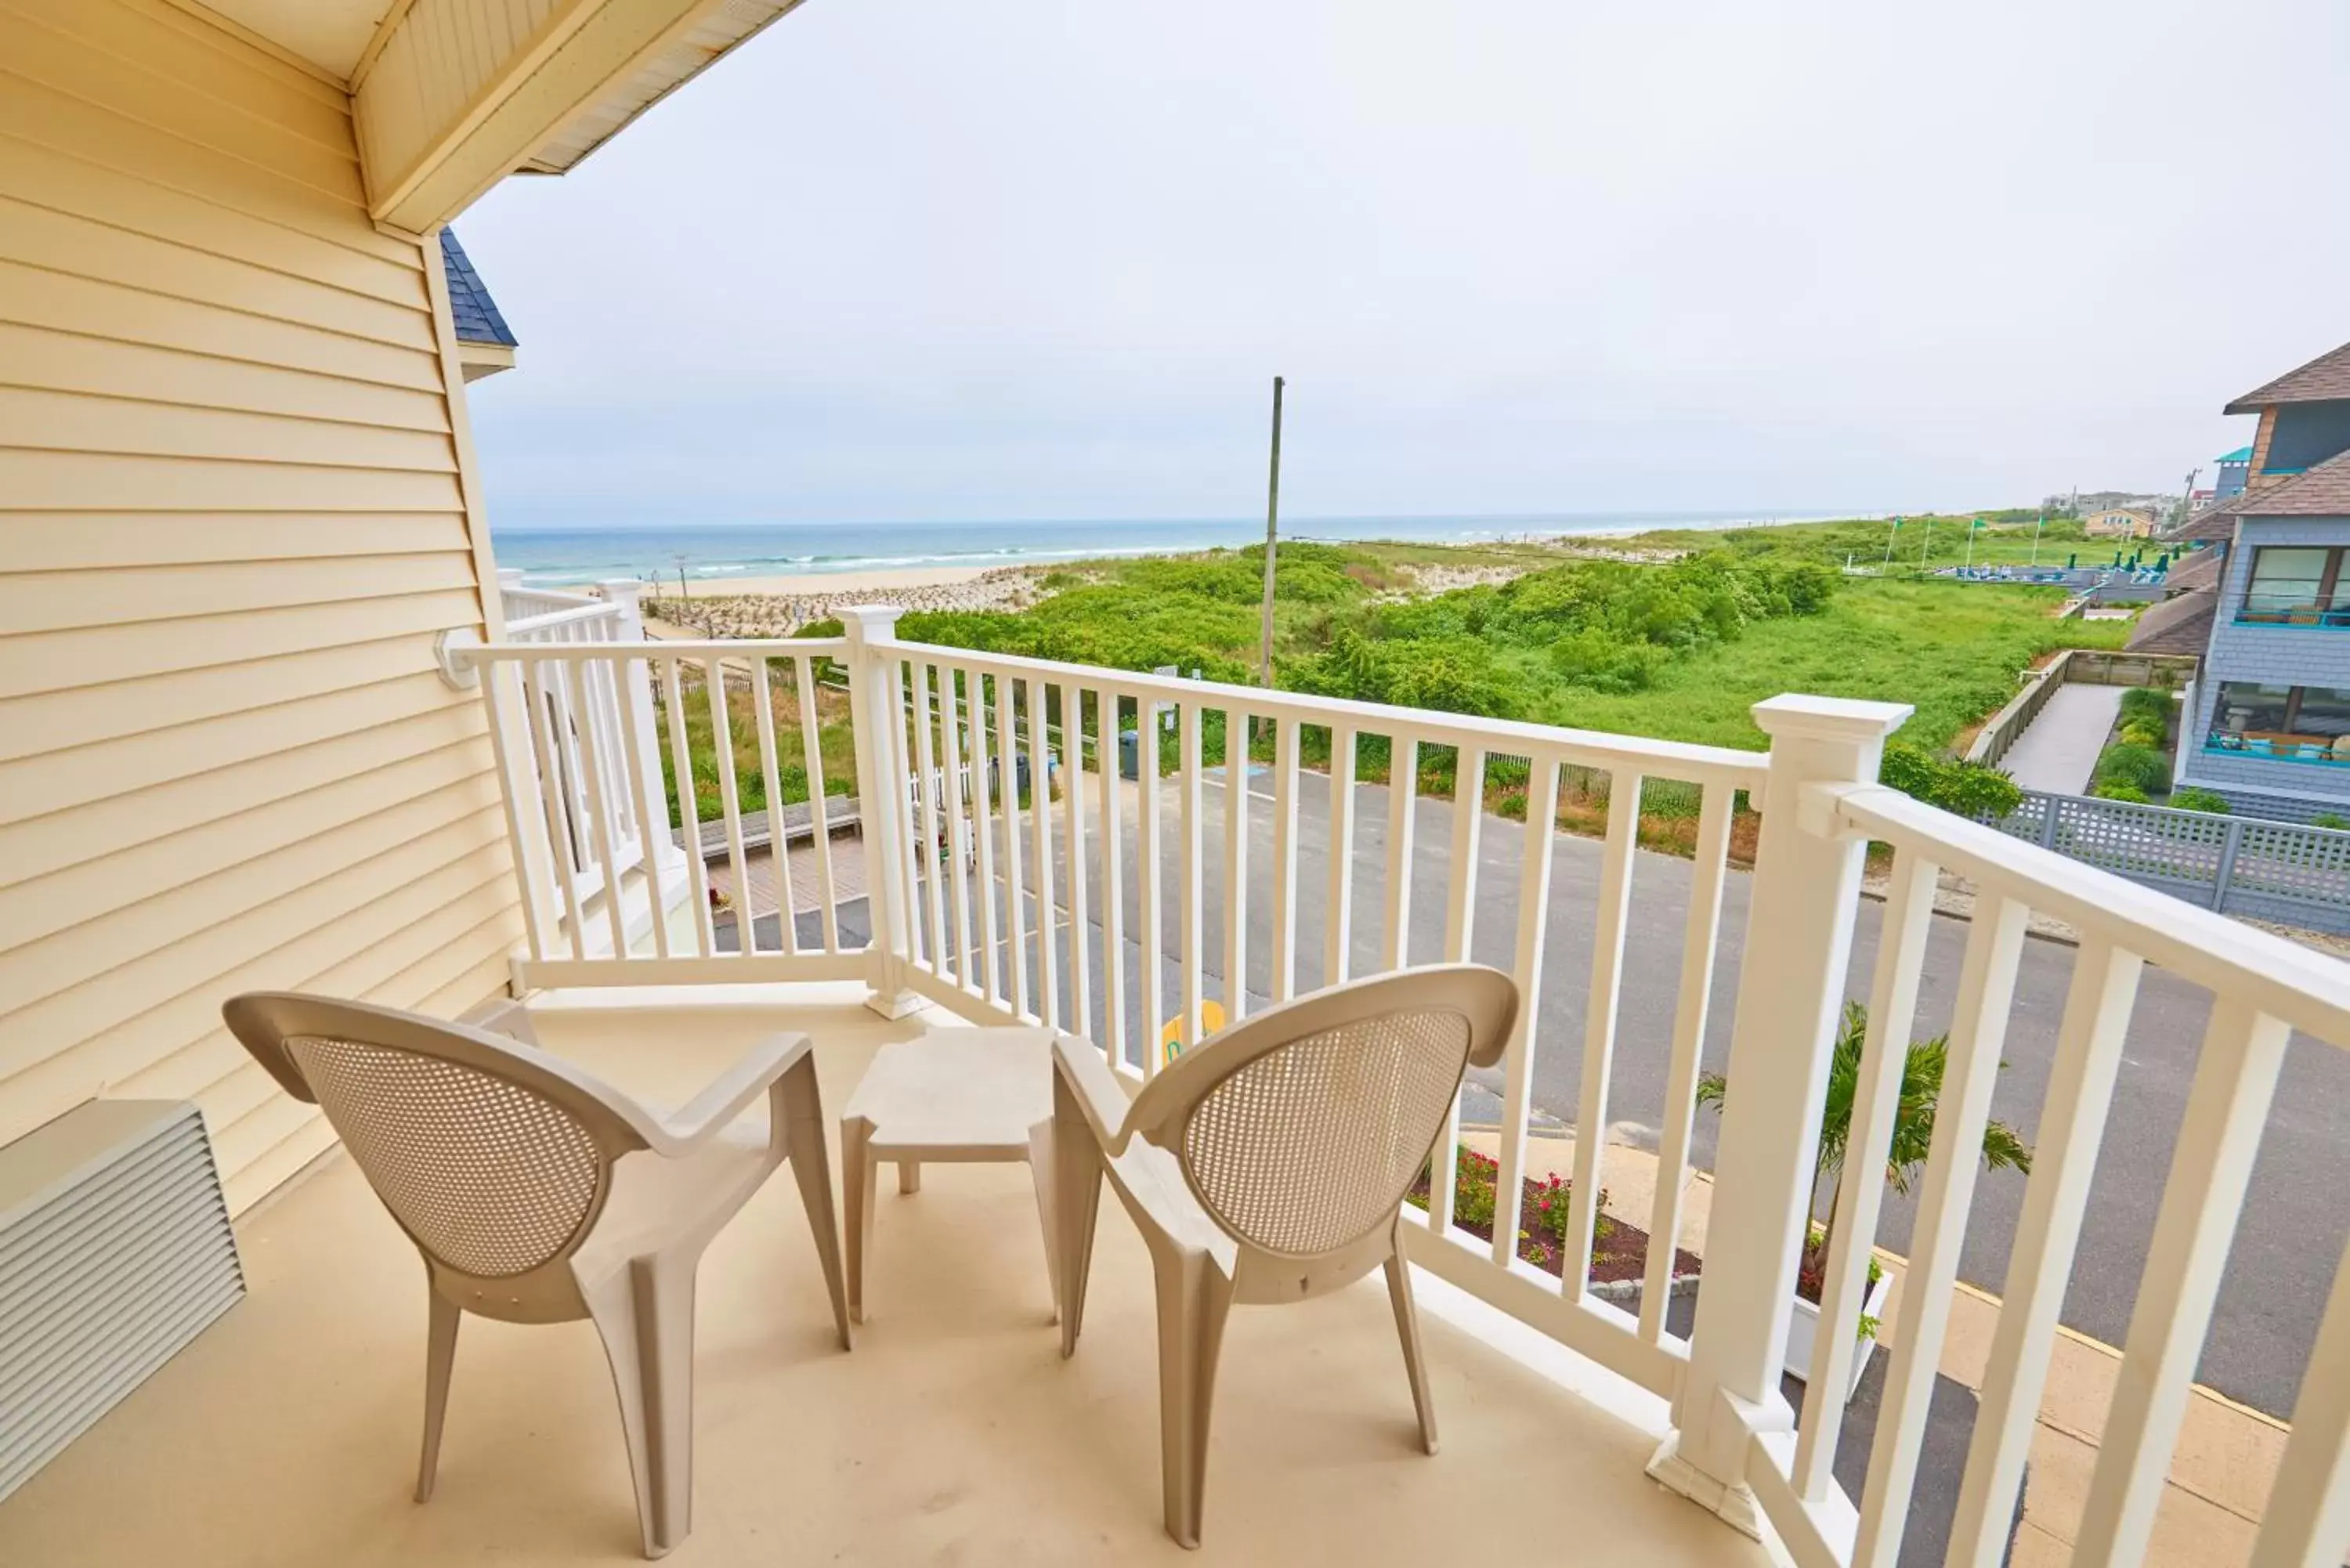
(555, 556)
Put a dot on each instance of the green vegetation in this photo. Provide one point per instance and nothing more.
(1968, 789)
(1677, 643)
(1922, 1070)
(2208, 800)
(2005, 539)
(836, 742)
(2124, 766)
(2334, 819)
(1676, 649)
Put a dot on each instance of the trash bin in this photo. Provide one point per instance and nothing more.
(1129, 756)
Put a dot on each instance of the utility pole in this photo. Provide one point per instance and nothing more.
(1272, 528)
(679, 556)
(2186, 501)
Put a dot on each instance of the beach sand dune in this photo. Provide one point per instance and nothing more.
(780, 606)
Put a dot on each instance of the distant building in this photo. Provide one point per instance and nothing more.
(2121, 522)
(2268, 718)
(2232, 468)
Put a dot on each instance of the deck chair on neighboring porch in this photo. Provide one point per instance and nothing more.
(1266, 1165)
(538, 1195)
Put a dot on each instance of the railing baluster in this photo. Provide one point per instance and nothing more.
(819, 823)
(1337, 920)
(603, 831)
(1708, 872)
(1191, 849)
(1518, 1066)
(1107, 715)
(1040, 804)
(1403, 793)
(651, 824)
(1600, 1008)
(958, 825)
(926, 845)
(2210, 1167)
(983, 776)
(906, 789)
(779, 849)
(730, 805)
(1146, 883)
(1460, 934)
(1014, 916)
(1986, 996)
(1875, 1102)
(2306, 1523)
(1073, 744)
(2040, 1263)
(1288, 735)
(689, 810)
(514, 789)
(1236, 847)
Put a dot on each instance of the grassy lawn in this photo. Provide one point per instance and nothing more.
(1951, 649)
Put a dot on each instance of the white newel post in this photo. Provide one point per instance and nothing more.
(873, 707)
(1791, 988)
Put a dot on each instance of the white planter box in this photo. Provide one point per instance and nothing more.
(1803, 1327)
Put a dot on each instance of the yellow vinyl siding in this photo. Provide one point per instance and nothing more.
(232, 521)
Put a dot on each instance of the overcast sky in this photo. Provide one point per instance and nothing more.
(1040, 258)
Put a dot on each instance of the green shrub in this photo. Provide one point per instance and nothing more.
(2142, 768)
(2122, 792)
(1965, 789)
(2334, 819)
(2145, 702)
(2137, 732)
(2208, 800)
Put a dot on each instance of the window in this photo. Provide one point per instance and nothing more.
(2297, 584)
(2297, 724)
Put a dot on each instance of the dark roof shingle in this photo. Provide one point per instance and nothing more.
(470, 305)
(2323, 380)
(2181, 624)
(2199, 570)
(2323, 491)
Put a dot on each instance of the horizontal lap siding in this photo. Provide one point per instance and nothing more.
(233, 525)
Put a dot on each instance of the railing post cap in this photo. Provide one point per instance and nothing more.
(860, 622)
(621, 590)
(1829, 718)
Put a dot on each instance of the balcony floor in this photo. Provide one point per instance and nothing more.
(954, 1432)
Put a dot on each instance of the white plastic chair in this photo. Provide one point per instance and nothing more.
(539, 1195)
(1268, 1165)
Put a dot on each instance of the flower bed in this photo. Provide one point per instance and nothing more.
(1619, 1252)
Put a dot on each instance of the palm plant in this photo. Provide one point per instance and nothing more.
(1913, 1120)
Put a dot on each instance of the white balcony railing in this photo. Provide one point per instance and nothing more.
(1114, 912)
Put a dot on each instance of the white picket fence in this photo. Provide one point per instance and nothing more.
(1110, 910)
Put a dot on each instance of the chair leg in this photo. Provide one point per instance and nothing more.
(811, 1167)
(858, 1172)
(1076, 1201)
(910, 1176)
(1040, 1172)
(440, 1354)
(1415, 1363)
(644, 1315)
(1194, 1299)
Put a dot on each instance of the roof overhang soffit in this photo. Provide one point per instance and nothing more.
(442, 115)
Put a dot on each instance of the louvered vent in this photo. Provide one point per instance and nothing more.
(115, 1250)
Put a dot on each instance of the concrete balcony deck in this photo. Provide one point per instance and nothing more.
(953, 1433)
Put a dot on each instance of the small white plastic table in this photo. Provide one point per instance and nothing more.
(959, 1095)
